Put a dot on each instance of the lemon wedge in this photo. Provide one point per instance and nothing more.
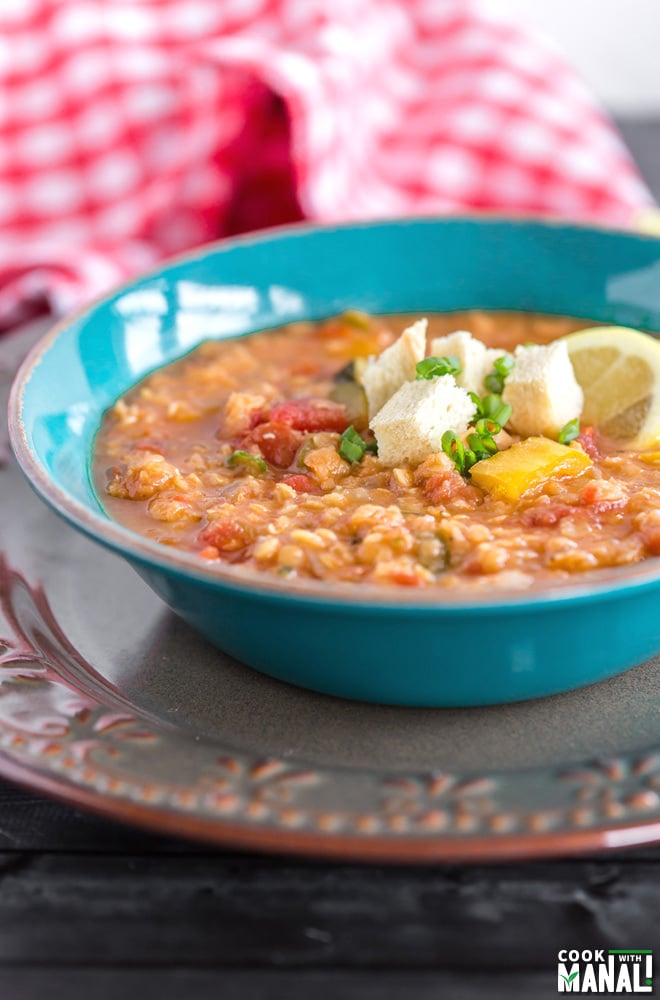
(619, 371)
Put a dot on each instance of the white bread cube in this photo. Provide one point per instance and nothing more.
(409, 427)
(397, 364)
(542, 390)
(475, 358)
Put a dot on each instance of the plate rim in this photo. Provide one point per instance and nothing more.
(376, 848)
(627, 829)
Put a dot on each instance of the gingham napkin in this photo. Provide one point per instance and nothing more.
(134, 129)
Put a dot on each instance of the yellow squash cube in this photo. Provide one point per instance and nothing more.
(509, 474)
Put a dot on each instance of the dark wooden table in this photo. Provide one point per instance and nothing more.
(93, 910)
(88, 909)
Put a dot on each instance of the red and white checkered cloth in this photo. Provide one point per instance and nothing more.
(134, 129)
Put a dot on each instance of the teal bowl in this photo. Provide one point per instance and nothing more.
(363, 642)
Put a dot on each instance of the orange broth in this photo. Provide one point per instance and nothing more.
(303, 511)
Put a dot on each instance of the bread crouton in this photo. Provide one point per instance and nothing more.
(475, 358)
(409, 427)
(397, 364)
(542, 390)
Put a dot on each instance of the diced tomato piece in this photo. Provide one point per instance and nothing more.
(590, 494)
(334, 328)
(600, 496)
(651, 539)
(588, 438)
(210, 552)
(347, 340)
(226, 535)
(310, 415)
(442, 487)
(257, 417)
(148, 447)
(546, 516)
(302, 484)
(406, 578)
(278, 443)
(304, 368)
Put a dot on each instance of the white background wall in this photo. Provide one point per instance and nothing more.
(614, 43)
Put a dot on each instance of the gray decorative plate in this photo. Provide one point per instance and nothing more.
(110, 702)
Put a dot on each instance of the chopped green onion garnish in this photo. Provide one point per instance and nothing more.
(482, 445)
(430, 367)
(453, 447)
(494, 382)
(503, 415)
(492, 408)
(490, 405)
(569, 432)
(352, 446)
(502, 367)
(254, 463)
(477, 446)
(490, 417)
(486, 427)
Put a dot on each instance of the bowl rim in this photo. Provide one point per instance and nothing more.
(605, 584)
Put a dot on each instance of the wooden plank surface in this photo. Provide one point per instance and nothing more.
(203, 984)
(240, 911)
(89, 909)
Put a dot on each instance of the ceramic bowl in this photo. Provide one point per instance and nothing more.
(360, 642)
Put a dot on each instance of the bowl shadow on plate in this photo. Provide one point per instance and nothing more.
(190, 685)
